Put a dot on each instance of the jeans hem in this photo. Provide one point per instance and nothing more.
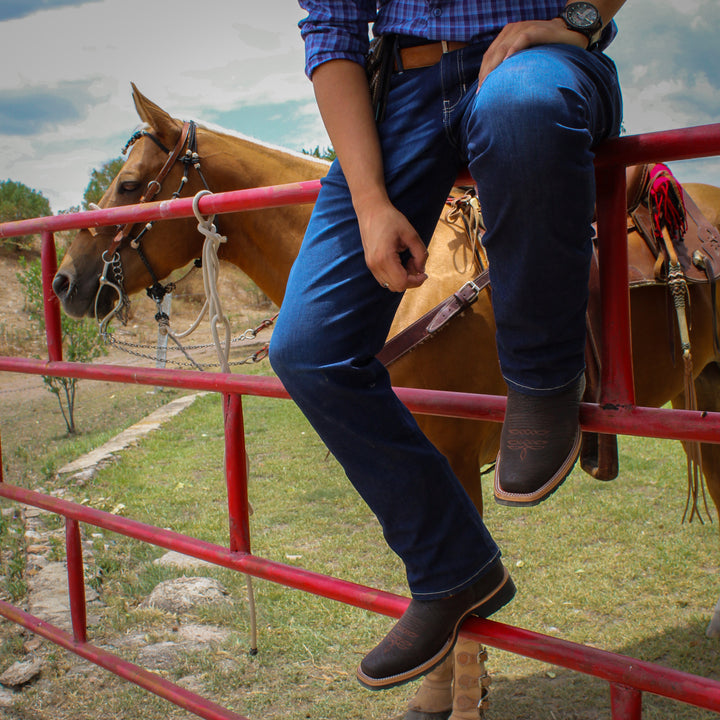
(439, 594)
(529, 390)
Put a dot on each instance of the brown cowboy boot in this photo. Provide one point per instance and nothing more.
(426, 633)
(539, 444)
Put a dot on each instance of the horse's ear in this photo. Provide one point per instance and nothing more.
(165, 126)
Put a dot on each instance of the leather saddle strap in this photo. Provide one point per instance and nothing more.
(433, 320)
(599, 453)
(703, 260)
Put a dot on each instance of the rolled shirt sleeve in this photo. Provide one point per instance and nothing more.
(336, 29)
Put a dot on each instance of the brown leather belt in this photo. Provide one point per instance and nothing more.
(419, 56)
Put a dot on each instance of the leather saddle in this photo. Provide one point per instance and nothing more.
(696, 249)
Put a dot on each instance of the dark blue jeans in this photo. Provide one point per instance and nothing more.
(527, 137)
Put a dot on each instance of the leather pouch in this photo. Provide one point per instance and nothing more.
(379, 66)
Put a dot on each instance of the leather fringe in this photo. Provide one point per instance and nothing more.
(695, 475)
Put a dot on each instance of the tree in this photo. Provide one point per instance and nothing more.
(19, 202)
(80, 338)
(325, 154)
(100, 181)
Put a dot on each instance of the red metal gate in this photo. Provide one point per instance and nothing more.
(615, 413)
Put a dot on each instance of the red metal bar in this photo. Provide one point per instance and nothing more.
(76, 580)
(616, 349)
(126, 670)
(667, 145)
(51, 304)
(326, 586)
(614, 668)
(625, 702)
(236, 476)
(251, 199)
(642, 421)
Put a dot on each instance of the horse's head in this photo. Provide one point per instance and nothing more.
(102, 266)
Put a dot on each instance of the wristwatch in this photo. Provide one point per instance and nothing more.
(583, 17)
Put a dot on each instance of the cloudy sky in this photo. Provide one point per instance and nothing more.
(65, 104)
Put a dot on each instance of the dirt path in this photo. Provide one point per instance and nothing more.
(29, 414)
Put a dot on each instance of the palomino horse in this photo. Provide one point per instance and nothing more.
(264, 243)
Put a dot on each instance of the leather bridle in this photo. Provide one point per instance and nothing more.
(112, 275)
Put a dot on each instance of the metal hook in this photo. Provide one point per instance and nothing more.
(105, 282)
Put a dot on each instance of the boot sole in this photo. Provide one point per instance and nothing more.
(503, 497)
(490, 604)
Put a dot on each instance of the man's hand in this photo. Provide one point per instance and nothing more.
(386, 234)
(343, 97)
(521, 35)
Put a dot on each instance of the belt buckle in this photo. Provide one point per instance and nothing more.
(469, 292)
(445, 47)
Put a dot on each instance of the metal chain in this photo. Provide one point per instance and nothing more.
(249, 334)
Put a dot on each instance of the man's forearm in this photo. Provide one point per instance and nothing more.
(343, 97)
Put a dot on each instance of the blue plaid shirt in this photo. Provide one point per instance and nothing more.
(337, 29)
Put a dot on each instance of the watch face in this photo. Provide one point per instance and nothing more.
(582, 14)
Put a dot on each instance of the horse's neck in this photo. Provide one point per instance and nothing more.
(263, 243)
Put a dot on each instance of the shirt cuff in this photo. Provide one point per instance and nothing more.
(332, 44)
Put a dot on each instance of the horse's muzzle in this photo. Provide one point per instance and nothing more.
(75, 302)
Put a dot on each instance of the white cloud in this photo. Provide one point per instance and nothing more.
(228, 55)
(223, 58)
(666, 61)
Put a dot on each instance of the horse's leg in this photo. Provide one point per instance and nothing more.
(707, 388)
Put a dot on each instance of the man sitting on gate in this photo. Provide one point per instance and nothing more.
(519, 93)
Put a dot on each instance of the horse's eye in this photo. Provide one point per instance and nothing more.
(129, 186)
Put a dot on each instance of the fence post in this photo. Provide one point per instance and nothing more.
(236, 478)
(236, 474)
(616, 348)
(626, 702)
(162, 339)
(51, 304)
(76, 579)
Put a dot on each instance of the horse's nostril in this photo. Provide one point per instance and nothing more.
(61, 285)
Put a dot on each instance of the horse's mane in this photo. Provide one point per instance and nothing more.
(247, 138)
(219, 130)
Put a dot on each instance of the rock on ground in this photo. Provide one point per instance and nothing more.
(184, 593)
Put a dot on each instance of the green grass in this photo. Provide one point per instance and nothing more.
(607, 564)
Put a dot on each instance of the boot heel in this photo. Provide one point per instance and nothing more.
(505, 593)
